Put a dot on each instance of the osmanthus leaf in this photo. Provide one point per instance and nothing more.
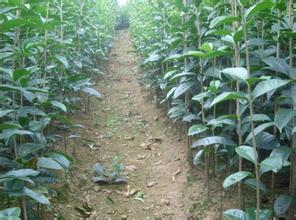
(7, 71)
(247, 153)
(277, 65)
(258, 130)
(197, 129)
(218, 32)
(61, 159)
(20, 173)
(49, 163)
(182, 75)
(238, 73)
(225, 96)
(252, 183)
(11, 24)
(198, 157)
(7, 9)
(271, 164)
(10, 214)
(282, 204)
(201, 96)
(235, 214)
(36, 196)
(223, 120)
(268, 86)
(173, 57)
(256, 117)
(8, 125)
(4, 112)
(182, 88)
(20, 73)
(223, 20)
(91, 91)
(207, 141)
(29, 148)
(194, 53)
(235, 178)
(169, 74)
(259, 7)
(263, 214)
(59, 105)
(283, 117)
(7, 134)
(282, 152)
(63, 60)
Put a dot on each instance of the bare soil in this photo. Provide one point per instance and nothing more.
(122, 126)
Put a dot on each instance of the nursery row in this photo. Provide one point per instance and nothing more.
(49, 50)
(226, 69)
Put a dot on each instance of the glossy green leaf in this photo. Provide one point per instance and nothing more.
(197, 129)
(283, 117)
(268, 86)
(237, 73)
(247, 152)
(225, 96)
(235, 178)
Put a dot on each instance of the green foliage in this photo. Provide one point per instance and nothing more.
(227, 66)
(49, 50)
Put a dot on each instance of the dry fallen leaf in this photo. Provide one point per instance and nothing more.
(151, 184)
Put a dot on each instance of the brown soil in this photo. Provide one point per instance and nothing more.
(120, 126)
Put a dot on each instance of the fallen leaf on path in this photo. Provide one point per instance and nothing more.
(151, 184)
(141, 156)
(131, 167)
(149, 142)
(175, 174)
(165, 202)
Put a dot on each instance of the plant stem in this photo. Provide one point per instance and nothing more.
(251, 109)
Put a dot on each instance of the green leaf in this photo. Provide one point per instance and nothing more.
(49, 163)
(198, 157)
(223, 20)
(10, 214)
(92, 92)
(36, 196)
(20, 73)
(235, 214)
(237, 73)
(262, 214)
(4, 112)
(193, 53)
(61, 159)
(277, 65)
(7, 134)
(283, 117)
(207, 141)
(225, 96)
(182, 88)
(258, 130)
(253, 184)
(235, 178)
(268, 86)
(247, 152)
(197, 129)
(260, 6)
(59, 105)
(256, 117)
(63, 60)
(282, 204)
(20, 173)
(271, 164)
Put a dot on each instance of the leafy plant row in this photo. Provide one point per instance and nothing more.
(227, 70)
(49, 49)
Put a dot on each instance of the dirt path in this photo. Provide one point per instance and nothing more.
(123, 126)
